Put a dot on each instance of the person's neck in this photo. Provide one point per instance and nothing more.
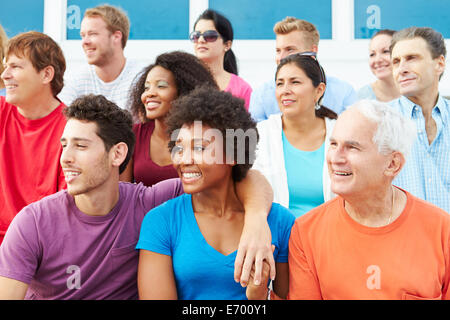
(160, 130)
(304, 124)
(427, 101)
(101, 200)
(221, 76)
(110, 71)
(220, 201)
(386, 89)
(40, 106)
(377, 208)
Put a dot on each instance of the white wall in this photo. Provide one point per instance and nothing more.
(342, 57)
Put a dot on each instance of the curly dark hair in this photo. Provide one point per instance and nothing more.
(187, 69)
(219, 110)
(114, 124)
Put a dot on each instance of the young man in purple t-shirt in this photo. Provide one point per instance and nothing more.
(79, 243)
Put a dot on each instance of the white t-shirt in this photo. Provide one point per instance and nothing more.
(86, 81)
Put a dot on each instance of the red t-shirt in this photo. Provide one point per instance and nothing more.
(331, 256)
(29, 159)
(144, 169)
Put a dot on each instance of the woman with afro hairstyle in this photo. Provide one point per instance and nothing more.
(212, 38)
(172, 75)
(188, 244)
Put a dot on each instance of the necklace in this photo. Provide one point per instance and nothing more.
(392, 208)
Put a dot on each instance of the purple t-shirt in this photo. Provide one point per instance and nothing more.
(63, 253)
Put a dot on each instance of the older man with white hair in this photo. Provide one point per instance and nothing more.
(374, 240)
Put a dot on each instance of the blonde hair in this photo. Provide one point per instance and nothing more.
(115, 18)
(289, 24)
(3, 44)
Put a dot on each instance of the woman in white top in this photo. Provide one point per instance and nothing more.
(384, 88)
(293, 144)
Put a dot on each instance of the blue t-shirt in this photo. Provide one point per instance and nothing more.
(201, 272)
(304, 171)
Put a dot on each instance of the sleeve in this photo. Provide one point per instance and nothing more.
(350, 98)
(303, 282)
(256, 107)
(155, 233)
(20, 251)
(160, 193)
(286, 221)
(446, 284)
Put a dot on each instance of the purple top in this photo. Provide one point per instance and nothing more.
(63, 253)
(144, 169)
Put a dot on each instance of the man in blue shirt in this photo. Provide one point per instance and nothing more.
(293, 36)
(418, 61)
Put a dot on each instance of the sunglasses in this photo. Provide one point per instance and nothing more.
(208, 35)
(313, 55)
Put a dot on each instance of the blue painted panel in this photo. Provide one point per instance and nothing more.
(373, 15)
(254, 19)
(21, 16)
(150, 19)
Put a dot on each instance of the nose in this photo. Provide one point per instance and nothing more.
(5, 74)
(335, 155)
(67, 156)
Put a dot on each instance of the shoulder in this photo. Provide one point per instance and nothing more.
(333, 82)
(281, 214)
(320, 216)
(273, 122)
(266, 88)
(47, 210)
(239, 81)
(427, 210)
(366, 92)
(172, 210)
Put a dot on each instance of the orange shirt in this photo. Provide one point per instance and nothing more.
(331, 256)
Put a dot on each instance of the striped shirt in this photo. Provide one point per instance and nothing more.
(86, 81)
(426, 173)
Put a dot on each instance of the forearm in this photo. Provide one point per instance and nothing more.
(11, 289)
(255, 194)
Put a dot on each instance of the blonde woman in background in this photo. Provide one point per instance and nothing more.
(3, 42)
(384, 88)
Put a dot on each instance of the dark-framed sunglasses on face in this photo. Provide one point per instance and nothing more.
(208, 35)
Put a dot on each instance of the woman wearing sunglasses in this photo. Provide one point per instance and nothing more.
(172, 75)
(212, 38)
(293, 144)
(384, 88)
(188, 245)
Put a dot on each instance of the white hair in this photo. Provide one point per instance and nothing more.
(394, 131)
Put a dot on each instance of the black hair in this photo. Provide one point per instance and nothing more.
(114, 124)
(313, 71)
(188, 72)
(222, 111)
(224, 28)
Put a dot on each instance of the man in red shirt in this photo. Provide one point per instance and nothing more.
(31, 123)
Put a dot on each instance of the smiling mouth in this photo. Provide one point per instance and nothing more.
(71, 175)
(342, 173)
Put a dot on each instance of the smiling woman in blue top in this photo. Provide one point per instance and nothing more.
(188, 245)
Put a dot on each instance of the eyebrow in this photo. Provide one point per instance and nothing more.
(76, 139)
(349, 142)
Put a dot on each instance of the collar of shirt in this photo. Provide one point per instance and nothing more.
(441, 107)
